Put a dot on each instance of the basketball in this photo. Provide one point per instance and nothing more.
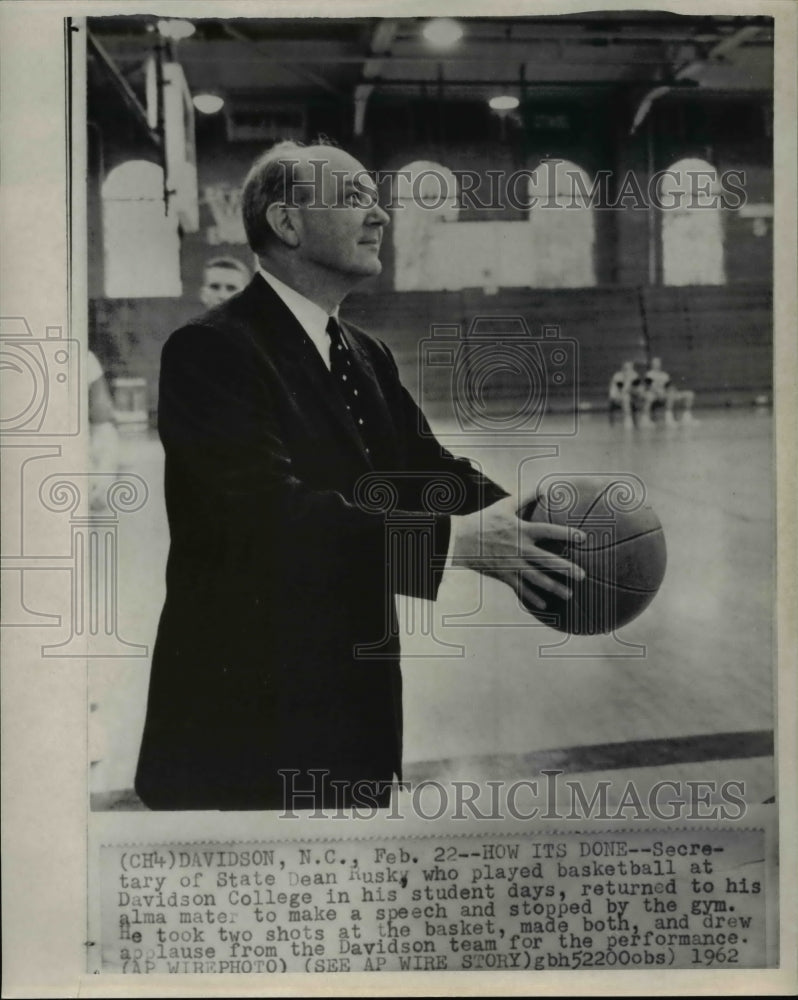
(623, 554)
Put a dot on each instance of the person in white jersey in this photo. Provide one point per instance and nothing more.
(659, 390)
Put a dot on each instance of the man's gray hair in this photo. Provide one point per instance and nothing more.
(269, 181)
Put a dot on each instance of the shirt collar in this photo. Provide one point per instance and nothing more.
(311, 317)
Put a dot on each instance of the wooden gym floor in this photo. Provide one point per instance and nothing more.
(684, 692)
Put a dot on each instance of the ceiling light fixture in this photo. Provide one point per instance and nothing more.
(208, 104)
(175, 28)
(504, 102)
(442, 32)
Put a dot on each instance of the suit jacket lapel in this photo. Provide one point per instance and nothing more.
(288, 345)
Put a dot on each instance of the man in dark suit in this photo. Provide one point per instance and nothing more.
(291, 447)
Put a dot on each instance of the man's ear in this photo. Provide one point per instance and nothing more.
(281, 221)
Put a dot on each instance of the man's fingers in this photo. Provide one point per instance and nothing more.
(530, 559)
(530, 596)
(548, 583)
(550, 563)
(528, 583)
(548, 560)
(535, 530)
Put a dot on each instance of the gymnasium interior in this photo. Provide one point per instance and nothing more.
(556, 158)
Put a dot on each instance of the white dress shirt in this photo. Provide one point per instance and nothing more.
(311, 317)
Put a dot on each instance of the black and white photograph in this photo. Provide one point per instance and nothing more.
(397, 494)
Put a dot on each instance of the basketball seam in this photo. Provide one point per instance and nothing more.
(587, 512)
(623, 541)
(610, 545)
(619, 586)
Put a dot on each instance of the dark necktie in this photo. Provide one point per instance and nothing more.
(347, 380)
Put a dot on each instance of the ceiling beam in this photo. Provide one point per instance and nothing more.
(129, 98)
(396, 60)
(304, 74)
(693, 71)
(593, 38)
(514, 83)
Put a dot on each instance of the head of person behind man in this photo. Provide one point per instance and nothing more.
(312, 217)
(222, 277)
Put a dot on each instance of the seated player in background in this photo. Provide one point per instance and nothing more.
(222, 277)
(626, 392)
(659, 390)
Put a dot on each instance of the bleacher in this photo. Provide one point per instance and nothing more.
(716, 339)
(127, 335)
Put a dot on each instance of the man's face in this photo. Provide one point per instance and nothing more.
(219, 283)
(339, 221)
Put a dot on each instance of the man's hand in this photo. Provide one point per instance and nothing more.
(496, 542)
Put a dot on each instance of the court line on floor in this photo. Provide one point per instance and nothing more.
(571, 760)
(606, 756)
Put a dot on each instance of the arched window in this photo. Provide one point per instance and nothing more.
(425, 195)
(141, 244)
(562, 228)
(692, 233)
(553, 250)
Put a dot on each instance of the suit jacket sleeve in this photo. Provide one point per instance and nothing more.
(233, 496)
(431, 481)
(430, 456)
